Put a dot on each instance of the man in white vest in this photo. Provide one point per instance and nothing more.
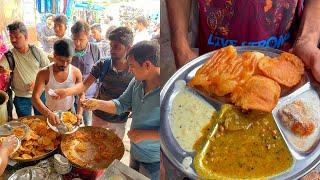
(59, 75)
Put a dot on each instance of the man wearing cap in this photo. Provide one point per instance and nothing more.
(58, 75)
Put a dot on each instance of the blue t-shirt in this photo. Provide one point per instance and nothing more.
(145, 116)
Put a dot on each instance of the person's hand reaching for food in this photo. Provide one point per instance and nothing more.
(59, 94)
(79, 118)
(53, 119)
(7, 147)
(90, 104)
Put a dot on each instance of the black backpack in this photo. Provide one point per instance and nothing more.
(12, 65)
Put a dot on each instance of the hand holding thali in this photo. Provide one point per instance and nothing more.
(68, 122)
(53, 119)
(10, 143)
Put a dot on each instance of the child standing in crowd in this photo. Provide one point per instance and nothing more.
(60, 27)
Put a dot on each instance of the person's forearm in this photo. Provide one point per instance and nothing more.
(4, 154)
(107, 106)
(81, 87)
(306, 44)
(79, 107)
(309, 29)
(76, 89)
(147, 134)
(151, 134)
(178, 16)
(37, 103)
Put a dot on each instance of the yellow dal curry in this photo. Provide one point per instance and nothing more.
(244, 145)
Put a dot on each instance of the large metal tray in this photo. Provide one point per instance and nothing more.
(304, 162)
(112, 142)
(37, 157)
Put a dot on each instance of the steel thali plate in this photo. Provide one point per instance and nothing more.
(304, 161)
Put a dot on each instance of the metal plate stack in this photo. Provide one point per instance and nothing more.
(29, 173)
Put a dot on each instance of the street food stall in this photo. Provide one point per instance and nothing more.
(45, 152)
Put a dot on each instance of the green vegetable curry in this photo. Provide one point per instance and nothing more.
(241, 145)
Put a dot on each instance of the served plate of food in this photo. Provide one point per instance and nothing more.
(69, 123)
(233, 102)
(17, 128)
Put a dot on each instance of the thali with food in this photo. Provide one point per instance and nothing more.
(17, 128)
(68, 123)
(39, 142)
(242, 113)
(92, 147)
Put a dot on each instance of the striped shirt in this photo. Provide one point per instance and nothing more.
(114, 83)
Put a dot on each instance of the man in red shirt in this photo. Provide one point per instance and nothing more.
(280, 24)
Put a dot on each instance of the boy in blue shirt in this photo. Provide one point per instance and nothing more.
(143, 96)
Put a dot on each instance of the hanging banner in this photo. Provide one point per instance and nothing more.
(48, 4)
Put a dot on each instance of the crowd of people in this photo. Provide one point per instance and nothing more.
(119, 73)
